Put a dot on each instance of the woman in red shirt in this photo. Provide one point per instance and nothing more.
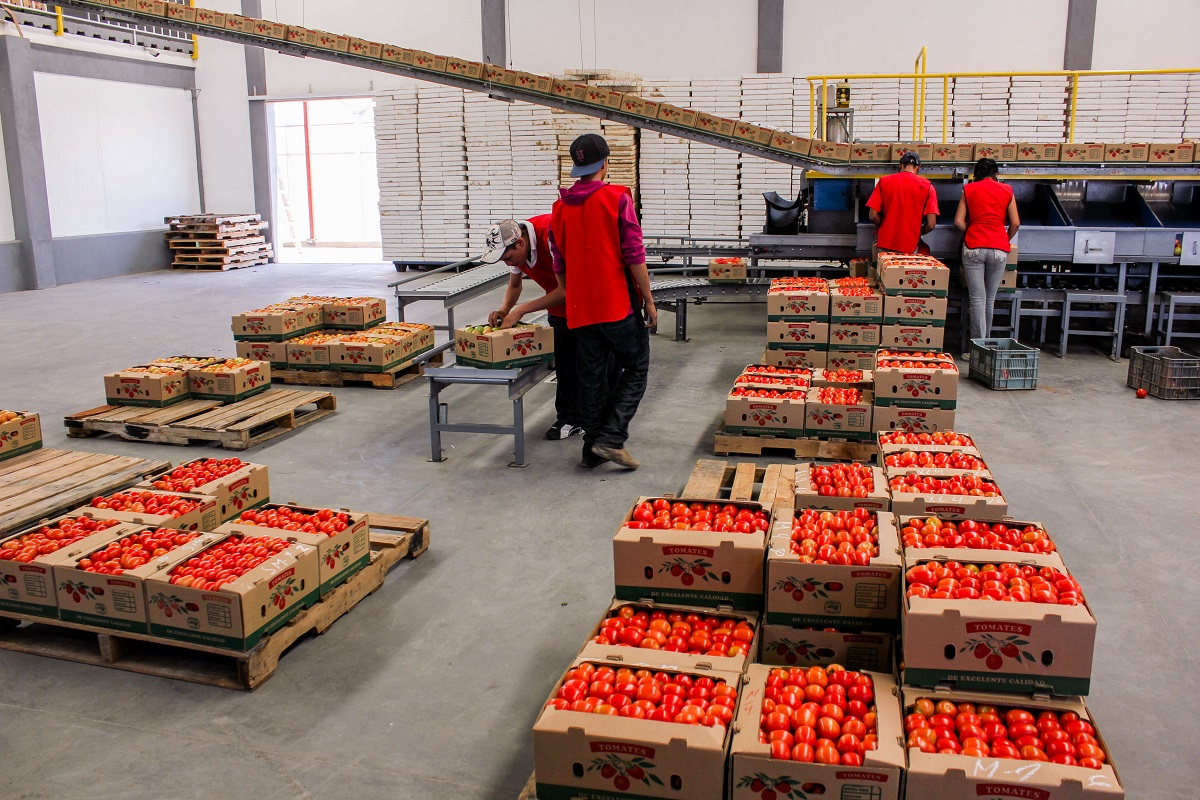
(984, 210)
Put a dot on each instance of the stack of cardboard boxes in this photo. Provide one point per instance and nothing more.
(172, 379)
(20, 432)
(914, 309)
(915, 391)
(797, 322)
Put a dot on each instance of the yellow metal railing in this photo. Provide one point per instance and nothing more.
(818, 113)
(58, 21)
(195, 38)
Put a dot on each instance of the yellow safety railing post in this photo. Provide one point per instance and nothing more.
(916, 92)
(812, 109)
(195, 38)
(1074, 98)
(921, 132)
(824, 109)
(945, 107)
(58, 21)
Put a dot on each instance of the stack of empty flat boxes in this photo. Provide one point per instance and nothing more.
(1037, 109)
(713, 176)
(1157, 104)
(442, 155)
(663, 166)
(534, 159)
(1101, 108)
(489, 165)
(876, 106)
(766, 100)
(399, 173)
(980, 109)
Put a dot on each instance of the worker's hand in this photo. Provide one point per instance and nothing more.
(496, 317)
(511, 318)
(651, 314)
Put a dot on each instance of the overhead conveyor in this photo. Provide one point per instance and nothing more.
(629, 109)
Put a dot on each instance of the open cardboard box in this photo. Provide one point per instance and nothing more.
(277, 323)
(975, 555)
(831, 595)
(932, 775)
(796, 304)
(312, 352)
(806, 335)
(916, 387)
(274, 353)
(892, 471)
(838, 421)
(201, 518)
(855, 308)
(239, 614)
(892, 447)
(341, 555)
(611, 758)
(785, 646)
(230, 384)
(238, 491)
(376, 352)
(1042, 647)
(147, 389)
(913, 420)
(758, 416)
(851, 359)
(923, 337)
(642, 657)
(877, 498)
(505, 348)
(918, 279)
(881, 777)
(28, 587)
(901, 309)
(951, 506)
(702, 568)
(825, 377)
(20, 435)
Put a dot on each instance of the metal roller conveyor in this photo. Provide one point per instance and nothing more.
(452, 290)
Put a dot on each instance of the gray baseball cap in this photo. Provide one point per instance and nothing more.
(501, 236)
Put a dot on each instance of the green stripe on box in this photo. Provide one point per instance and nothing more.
(273, 337)
(825, 433)
(853, 348)
(352, 568)
(880, 624)
(22, 450)
(913, 402)
(751, 602)
(125, 401)
(30, 609)
(727, 281)
(301, 604)
(231, 398)
(134, 626)
(863, 320)
(550, 791)
(755, 430)
(233, 642)
(924, 322)
(998, 681)
(512, 363)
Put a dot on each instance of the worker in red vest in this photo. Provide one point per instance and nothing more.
(600, 261)
(904, 207)
(525, 247)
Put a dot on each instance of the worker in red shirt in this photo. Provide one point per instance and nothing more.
(987, 216)
(600, 261)
(525, 247)
(903, 206)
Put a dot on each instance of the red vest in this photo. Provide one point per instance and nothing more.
(987, 214)
(589, 239)
(542, 271)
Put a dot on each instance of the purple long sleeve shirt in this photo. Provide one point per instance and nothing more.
(633, 251)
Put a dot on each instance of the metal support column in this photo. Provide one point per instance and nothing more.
(262, 132)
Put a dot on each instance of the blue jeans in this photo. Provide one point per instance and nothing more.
(983, 268)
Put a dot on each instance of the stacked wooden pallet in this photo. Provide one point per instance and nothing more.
(217, 241)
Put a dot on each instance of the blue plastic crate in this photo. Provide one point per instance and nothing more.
(1004, 364)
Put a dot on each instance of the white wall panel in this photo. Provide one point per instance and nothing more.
(1152, 34)
(119, 156)
(7, 233)
(224, 126)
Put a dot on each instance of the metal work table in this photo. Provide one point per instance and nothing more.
(518, 382)
(452, 290)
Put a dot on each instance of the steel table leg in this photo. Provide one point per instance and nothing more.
(1120, 331)
(450, 321)
(435, 423)
(1066, 326)
(1170, 319)
(519, 433)
(1150, 291)
(681, 320)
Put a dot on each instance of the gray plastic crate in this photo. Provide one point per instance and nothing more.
(1004, 364)
(1165, 372)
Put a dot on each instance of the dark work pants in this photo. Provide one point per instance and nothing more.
(607, 411)
(567, 401)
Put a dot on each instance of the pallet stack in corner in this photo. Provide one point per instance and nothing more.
(217, 241)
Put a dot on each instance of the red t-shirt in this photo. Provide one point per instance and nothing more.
(902, 199)
(542, 269)
(987, 214)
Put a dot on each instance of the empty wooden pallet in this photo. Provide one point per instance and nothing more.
(234, 426)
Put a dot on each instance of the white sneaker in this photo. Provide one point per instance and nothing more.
(563, 430)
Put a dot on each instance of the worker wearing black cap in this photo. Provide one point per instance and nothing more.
(903, 206)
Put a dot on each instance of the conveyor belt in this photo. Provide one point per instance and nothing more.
(474, 281)
(567, 103)
(678, 292)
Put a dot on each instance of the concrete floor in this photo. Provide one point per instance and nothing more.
(428, 688)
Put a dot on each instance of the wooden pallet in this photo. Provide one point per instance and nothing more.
(222, 267)
(530, 790)
(211, 259)
(234, 426)
(46, 482)
(727, 444)
(198, 246)
(719, 480)
(211, 219)
(395, 377)
(393, 539)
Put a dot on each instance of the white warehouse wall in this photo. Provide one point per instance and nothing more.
(224, 117)
(1151, 34)
(7, 230)
(119, 156)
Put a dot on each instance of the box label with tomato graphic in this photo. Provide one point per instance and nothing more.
(1127, 152)
(923, 280)
(913, 310)
(808, 335)
(1006, 151)
(177, 11)
(20, 433)
(274, 353)
(1012, 647)
(363, 47)
(833, 420)
(855, 308)
(786, 304)
(847, 597)
(340, 553)
(920, 337)
(1088, 153)
(1176, 153)
(853, 336)
(812, 359)
(916, 387)
(1039, 151)
(505, 348)
(756, 416)
(850, 359)
(785, 646)
(398, 55)
(230, 384)
(869, 151)
(135, 387)
(242, 611)
(951, 152)
(913, 420)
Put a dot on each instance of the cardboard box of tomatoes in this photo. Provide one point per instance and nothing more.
(785, 646)
(147, 386)
(850, 359)
(150, 507)
(274, 353)
(312, 351)
(912, 420)
(939, 774)
(944, 441)
(916, 382)
(230, 380)
(27, 560)
(1030, 646)
(237, 485)
(249, 603)
(912, 276)
(727, 270)
(877, 774)
(812, 359)
(810, 335)
(378, 350)
(20, 433)
(582, 754)
(850, 485)
(346, 313)
(793, 303)
(901, 309)
(342, 537)
(90, 593)
(485, 347)
(855, 307)
(921, 337)
(825, 418)
(853, 336)
(832, 377)
(684, 637)
(762, 416)
(844, 596)
(953, 462)
(277, 322)
(937, 492)
(704, 567)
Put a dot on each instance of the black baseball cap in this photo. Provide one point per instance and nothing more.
(588, 152)
(910, 157)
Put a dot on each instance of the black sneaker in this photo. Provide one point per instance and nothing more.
(563, 430)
